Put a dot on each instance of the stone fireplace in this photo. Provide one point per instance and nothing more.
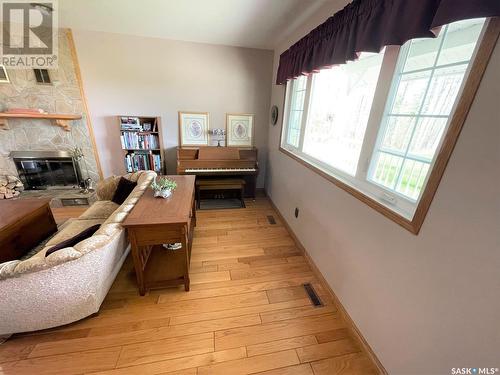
(63, 96)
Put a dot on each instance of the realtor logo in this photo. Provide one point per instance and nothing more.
(29, 34)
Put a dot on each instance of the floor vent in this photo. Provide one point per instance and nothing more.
(271, 219)
(312, 295)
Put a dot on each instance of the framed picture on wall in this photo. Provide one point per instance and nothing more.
(239, 129)
(193, 128)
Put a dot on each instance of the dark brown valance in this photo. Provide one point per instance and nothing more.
(369, 25)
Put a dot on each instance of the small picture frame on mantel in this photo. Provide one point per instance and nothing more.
(239, 129)
(193, 129)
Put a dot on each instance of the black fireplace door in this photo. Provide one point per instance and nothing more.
(41, 174)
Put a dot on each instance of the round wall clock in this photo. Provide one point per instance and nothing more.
(274, 114)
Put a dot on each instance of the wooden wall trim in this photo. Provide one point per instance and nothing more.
(343, 312)
(76, 64)
(478, 67)
(481, 60)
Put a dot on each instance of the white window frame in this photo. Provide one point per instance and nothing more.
(407, 212)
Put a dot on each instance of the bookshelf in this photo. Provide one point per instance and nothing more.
(142, 144)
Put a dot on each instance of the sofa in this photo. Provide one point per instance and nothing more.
(70, 284)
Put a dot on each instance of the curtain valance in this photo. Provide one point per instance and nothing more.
(369, 25)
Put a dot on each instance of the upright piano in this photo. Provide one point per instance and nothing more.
(220, 162)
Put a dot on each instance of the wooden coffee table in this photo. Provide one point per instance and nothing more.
(157, 221)
(24, 223)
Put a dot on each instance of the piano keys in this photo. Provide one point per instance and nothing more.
(220, 170)
(219, 162)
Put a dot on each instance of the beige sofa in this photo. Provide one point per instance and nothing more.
(68, 285)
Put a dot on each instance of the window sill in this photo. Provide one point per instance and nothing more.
(410, 225)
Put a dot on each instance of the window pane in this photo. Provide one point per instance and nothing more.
(426, 139)
(410, 93)
(294, 128)
(387, 168)
(424, 90)
(443, 90)
(412, 178)
(339, 108)
(422, 53)
(460, 40)
(294, 122)
(398, 133)
(298, 100)
(301, 83)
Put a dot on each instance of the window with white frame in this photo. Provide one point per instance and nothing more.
(381, 138)
(296, 111)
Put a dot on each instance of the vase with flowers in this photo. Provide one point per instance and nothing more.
(163, 187)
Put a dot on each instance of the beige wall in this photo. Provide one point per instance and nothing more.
(424, 303)
(124, 74)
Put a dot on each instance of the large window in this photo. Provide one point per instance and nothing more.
(377, 124)
(338, 112)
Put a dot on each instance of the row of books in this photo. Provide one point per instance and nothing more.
(142, 162)
(136, 141)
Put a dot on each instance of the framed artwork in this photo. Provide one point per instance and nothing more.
(193, 128)
(239, 130)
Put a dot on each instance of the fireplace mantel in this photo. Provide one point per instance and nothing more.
(62, 120)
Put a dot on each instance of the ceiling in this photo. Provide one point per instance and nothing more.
(244, 23)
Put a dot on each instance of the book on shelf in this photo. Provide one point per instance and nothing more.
(140, 138)
(142, 161)
(135, 141)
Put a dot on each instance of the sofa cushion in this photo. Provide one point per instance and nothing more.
(126, 207)
(33, 264)
(75, 227)
(117, 217)
(63, 255)
(95, 242)
(109, 229)
(7, 269)
(99, 210)
(123, 190)
(107, 187)
(72, 241)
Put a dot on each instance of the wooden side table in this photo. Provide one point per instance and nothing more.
(157, 221)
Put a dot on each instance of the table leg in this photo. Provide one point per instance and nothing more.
(185, 247)
(195, 203)
(242, 195)
(198, 195)
(137, 265)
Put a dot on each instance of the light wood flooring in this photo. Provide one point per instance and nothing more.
(61, 214)
(246, 313)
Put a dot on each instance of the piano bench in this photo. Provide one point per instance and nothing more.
(220, 184)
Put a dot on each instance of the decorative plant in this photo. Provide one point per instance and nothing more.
(163, 183)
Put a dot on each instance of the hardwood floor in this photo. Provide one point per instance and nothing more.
(246, 313)
(61, 214)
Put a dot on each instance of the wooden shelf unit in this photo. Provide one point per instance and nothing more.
(128, 137)
(61, 120)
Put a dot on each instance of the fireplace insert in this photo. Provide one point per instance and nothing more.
(40, 170)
